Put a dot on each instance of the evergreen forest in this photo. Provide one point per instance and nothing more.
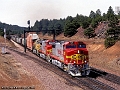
(69, 25)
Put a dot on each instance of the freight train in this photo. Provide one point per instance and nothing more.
(71, 56)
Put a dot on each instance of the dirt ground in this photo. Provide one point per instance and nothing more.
(13, 76)
(105, 59)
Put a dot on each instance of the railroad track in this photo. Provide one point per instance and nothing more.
(87, 83)
(107, 76)
(94, 84)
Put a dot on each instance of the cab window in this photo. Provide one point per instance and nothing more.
(82, 46)
(70, 46)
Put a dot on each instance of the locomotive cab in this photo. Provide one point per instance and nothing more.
(76, 57)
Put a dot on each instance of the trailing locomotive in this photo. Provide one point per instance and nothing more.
(71, 56)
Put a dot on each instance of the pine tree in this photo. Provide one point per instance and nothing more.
(71, 26)
(89, 32)
(114, 31)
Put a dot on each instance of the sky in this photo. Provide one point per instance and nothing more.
(18, 12)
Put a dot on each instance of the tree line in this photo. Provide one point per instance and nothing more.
(113, 33)
(48, 26)
(11, 29)
(69, 25)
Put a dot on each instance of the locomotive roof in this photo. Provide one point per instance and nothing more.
(34, 36)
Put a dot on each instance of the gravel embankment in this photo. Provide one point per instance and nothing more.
(50, 80)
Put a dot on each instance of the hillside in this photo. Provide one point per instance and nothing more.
(105, 59)
(99, 31)
(11, 27)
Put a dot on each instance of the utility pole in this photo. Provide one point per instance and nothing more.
(29, 25)
(4, 47)
(5, 40)
(54, 33)
(25, 43)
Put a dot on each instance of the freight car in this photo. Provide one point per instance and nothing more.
(71, 56)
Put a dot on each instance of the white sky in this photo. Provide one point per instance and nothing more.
(18, 12)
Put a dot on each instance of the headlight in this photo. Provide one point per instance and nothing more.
(74, 62)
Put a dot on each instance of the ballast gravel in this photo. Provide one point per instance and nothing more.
(50, 80)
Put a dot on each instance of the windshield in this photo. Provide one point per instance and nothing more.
(82, 46)
(71, 46)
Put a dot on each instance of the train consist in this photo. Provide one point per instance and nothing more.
(71, 56)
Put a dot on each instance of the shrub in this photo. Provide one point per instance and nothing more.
(110, 41)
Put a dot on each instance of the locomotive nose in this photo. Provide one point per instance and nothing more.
(81, 56)
(77, 56)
